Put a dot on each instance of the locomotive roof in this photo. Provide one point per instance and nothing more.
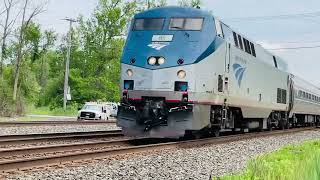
(173, 11)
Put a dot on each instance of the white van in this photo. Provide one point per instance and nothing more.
(113, 107)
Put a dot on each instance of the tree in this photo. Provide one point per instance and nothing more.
(149, 4)
(8, 4)
(153, 3)
(190, 3)
(25, 21)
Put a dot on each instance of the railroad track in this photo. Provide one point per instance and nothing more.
(100, 150)
(52, 123)
(38, 138)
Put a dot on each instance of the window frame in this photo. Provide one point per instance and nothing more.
(134, 25)
(202, 25)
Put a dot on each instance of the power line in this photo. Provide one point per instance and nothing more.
(284, 16)
(294, 48)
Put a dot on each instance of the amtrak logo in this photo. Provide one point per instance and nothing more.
(157, 46)
(239, 71)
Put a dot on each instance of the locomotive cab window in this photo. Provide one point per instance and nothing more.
(186, 24)
(148, 24)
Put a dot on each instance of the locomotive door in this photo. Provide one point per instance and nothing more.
(228, 36)
(228, 55)
(227, 68)
(291, 94)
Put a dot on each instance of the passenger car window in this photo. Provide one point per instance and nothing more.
(191, 24)
(148, 24)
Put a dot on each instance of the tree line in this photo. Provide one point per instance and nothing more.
(32, 60)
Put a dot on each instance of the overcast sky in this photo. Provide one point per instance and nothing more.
(273, 33)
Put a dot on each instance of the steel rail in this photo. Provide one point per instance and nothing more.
(23, 164)
(62, 147)
(34, 138)
(52, 123)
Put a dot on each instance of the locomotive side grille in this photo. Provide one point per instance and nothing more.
(281, 96)
(87, 114)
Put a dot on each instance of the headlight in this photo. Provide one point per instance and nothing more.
(152, 61)
(181, 74)
(129, 72)
(161, 60)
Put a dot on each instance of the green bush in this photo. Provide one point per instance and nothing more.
(6, 104)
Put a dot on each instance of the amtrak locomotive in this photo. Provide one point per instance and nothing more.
(184, 72)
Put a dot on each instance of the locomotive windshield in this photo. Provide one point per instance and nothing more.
(148, 24)
(187, 24)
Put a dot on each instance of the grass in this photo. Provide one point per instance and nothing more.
(46, 111)
(24, 118)
(295, 162)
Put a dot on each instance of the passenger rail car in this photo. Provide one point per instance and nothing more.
(185, 72)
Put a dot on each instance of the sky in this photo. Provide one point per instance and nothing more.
(274, 33)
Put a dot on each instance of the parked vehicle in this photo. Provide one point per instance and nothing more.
(94, 111)
(113, 107)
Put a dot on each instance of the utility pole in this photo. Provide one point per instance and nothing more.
(66, 76)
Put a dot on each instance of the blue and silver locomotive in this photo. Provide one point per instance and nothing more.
(185, 72)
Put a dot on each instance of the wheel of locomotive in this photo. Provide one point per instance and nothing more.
(288, 125)
(234, 131)
(260, 129)
(216, 132)
(283, 124)
(269, 124)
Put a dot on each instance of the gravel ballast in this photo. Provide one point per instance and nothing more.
(22, 130)
(188, 163)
